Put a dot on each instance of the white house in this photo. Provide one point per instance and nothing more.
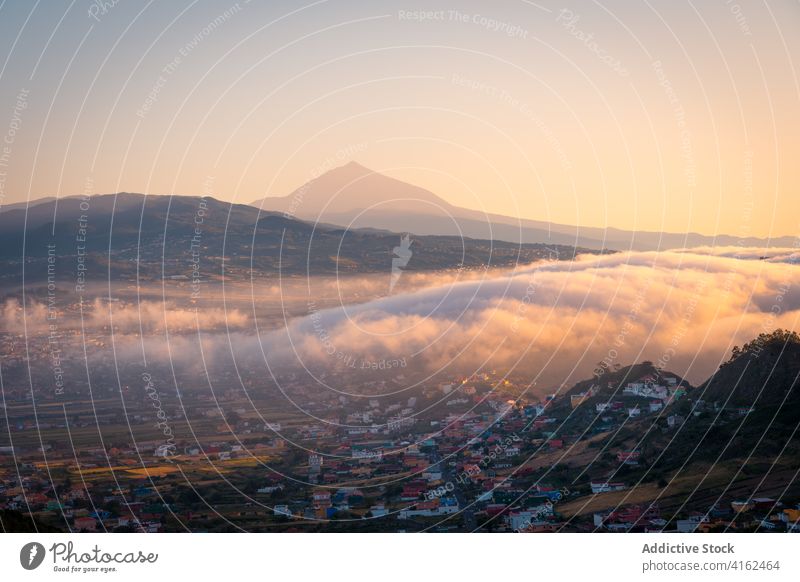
(605, 486)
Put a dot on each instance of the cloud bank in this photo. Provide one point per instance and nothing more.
(555, 321)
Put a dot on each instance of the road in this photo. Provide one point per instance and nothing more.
(468, 514)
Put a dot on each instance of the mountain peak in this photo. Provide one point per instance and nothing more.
(344, 193)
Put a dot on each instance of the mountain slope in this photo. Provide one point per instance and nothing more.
(160, 236)
(734, 437)
(350, 189)
(358, 195)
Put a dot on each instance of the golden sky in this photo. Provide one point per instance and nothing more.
(677, 116)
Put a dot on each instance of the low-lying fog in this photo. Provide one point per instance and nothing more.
(553, 321)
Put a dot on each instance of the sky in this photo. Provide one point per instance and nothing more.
(654, 115)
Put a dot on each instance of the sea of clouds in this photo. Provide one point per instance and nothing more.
(551, 322)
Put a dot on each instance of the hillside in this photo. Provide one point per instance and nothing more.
(358, 196)
(607, 384)
(764, 372)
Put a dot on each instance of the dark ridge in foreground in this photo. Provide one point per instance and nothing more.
(16, 522)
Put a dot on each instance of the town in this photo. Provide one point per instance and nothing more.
(462, 454)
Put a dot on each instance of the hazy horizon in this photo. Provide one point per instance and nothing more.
(676, 118)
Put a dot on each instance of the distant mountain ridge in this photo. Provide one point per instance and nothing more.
(355, 194)
(764, 372)
(157, 236)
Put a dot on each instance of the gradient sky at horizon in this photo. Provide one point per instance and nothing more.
(677, 116)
